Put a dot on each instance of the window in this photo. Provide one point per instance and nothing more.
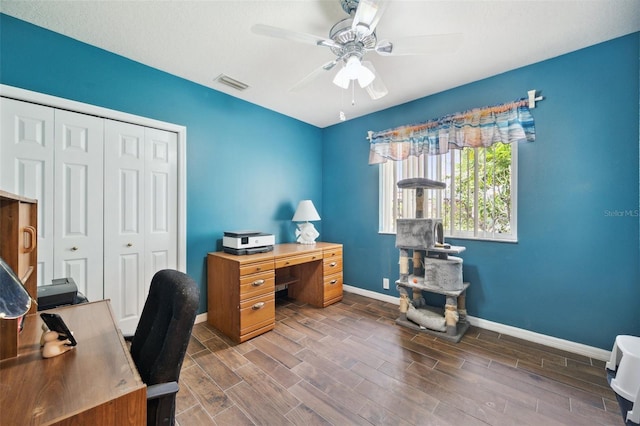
(479, 201)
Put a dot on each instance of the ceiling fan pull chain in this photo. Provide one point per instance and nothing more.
(353, 92)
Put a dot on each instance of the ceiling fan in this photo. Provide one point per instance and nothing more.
(352, 38)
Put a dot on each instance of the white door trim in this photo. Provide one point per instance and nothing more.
(61, 103)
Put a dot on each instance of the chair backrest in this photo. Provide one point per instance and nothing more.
(162, 336)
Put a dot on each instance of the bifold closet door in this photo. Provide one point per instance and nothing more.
(161, 199)
(26, 167)
(140, 214)
(78, 201)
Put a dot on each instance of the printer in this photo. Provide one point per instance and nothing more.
(62, 291)
(247, 242)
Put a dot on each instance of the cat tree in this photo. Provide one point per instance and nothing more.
(433, 268)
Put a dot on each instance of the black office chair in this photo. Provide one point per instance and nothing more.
(161, 339)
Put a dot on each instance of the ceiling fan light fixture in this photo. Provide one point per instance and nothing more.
(365, 77)
(341, 80)
(353, 70)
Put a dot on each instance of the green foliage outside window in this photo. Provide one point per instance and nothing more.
(482, 185)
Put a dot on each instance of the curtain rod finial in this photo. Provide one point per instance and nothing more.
(533, 99)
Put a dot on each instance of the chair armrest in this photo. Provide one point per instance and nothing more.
(162, 389)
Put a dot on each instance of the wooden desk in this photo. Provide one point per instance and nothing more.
(96, 383)
(241, 289)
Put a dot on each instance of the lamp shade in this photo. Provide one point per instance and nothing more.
(305, 212)
(353, 70)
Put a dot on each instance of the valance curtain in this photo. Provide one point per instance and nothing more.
(479, 127)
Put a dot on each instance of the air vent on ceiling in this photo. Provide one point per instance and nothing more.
(231, 82)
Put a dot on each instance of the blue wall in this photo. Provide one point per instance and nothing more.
(243, 161)
(574, 272)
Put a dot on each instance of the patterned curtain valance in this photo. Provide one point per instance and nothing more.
(479, 127)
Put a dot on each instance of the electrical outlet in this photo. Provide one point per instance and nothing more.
(385, 283)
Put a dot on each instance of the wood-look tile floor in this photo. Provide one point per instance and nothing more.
(351, 364)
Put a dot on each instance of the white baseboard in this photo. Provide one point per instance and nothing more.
(371, 294)
(543, 339)
(201, 318)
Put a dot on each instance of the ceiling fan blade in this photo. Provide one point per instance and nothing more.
(367, 16)
(312, 76)
(376, 89)
(421, 45)
(269, 31)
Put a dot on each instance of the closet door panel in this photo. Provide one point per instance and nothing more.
(26, 167)
(124, 227)
(161, 192)
(78, 205)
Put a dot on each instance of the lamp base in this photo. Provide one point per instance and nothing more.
(306, 233)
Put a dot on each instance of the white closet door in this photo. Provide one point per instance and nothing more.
(123, 223)
(78, 205)
(161, 194)
(141, 222)
(26, 168)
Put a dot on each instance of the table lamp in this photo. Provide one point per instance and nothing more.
(306, 232)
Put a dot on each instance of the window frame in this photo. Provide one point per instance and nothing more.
(386, 223)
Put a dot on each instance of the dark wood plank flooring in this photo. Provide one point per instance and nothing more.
(350, 364)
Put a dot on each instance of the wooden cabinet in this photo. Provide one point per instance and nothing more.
(18, 227)
(241, 289)
(241, 295)
(332, 275)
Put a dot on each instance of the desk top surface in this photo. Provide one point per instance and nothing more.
(99, 369)
(279, 250)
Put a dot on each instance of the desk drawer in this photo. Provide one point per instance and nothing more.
(257, 312)
(296, 260)
(332, 288)
(257, 284)
(254, 268)
(332, 265)
(333, 253)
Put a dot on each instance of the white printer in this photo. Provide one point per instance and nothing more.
(247, 242)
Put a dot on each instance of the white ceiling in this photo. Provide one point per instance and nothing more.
(198, 40)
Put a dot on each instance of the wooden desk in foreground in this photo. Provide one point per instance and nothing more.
(96, 383)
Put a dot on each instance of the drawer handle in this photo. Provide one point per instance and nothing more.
(313, 257)
(257, 306)
(258, 268)
(74, 248)
(257, 283)
(332, 264)
(31, 231)
(332, 282)
(286, 263)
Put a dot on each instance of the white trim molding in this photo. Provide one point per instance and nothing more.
(201, 318)
(543, 339)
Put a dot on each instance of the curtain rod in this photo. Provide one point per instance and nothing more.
(531, 98)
